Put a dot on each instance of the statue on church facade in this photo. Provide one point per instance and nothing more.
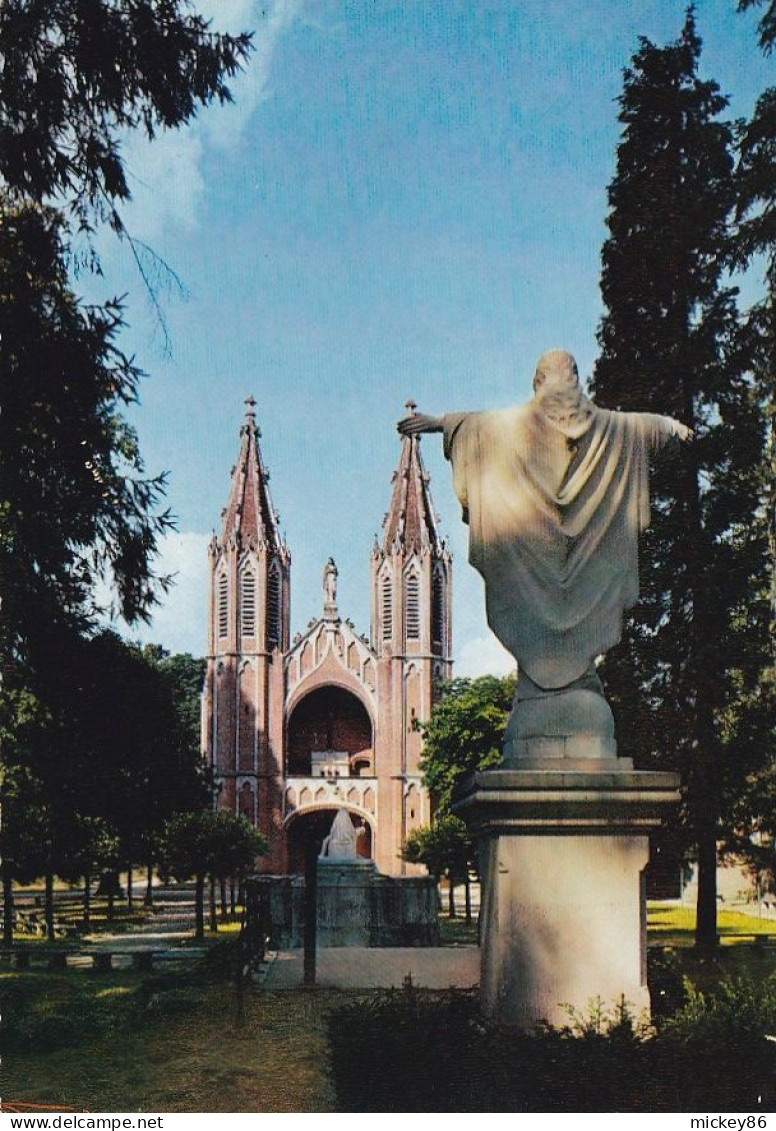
(330, 574)
(555, 493)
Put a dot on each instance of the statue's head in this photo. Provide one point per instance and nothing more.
(556, 369)
(558, 395)
(342, 826)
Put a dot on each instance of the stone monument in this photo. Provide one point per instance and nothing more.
(555, 493)
(344, 886)
(356, 906)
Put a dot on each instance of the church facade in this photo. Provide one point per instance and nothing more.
(295, 730)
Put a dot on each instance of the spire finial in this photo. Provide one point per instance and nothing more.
(250, 405)
(411, 406)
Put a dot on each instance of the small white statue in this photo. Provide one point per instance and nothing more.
(341, 842)
(330, 574)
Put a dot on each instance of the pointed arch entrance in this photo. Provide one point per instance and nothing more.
(329, 734)
(306, 830)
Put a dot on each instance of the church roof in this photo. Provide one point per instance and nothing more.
(411, 521)
(249, 512)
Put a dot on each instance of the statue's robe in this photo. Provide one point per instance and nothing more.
(554, 516)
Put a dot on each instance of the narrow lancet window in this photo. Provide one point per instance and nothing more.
(248, 602)
(438, 610)
(274, 606)
(412, 606)
(223, 605)
(386, 607)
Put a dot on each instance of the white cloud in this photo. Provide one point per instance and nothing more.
(483, 655)
(166, 175)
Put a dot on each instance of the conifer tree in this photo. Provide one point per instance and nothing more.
(670, 342)
(756, 236)
(754, 248)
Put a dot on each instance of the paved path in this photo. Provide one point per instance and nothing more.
(170, 923)
(436, 968)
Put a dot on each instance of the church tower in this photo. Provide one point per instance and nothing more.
(248, 636)
(411, 575)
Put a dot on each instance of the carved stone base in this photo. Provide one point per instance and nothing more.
(563, 723)
(563, 917)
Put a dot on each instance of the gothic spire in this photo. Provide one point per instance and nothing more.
(411, 521)
(249, 514)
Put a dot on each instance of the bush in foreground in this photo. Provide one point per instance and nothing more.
(414, 1050)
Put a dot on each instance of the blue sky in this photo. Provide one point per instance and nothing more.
(406, 199)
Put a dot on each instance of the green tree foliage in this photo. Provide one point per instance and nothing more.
(755, 240)
(94, 848)
(139, 764)
(767, 23)
(753, 833)
(186, 675)
(112, 758)
(76, 507)
(218, 844)
(465, 733)
(77, 74)
(78, 515)
(445, 848)
(671, 343)
(236, 845)
(26, 835)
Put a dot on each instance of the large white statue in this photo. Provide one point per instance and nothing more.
(555, 493)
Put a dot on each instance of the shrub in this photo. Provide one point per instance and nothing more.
(415, 1050)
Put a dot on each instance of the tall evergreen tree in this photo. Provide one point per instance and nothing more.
(670, 342)
(756, 236)
(755, 248)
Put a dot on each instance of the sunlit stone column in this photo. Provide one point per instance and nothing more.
(562, 855)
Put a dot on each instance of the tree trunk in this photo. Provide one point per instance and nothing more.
(451, 899)
(199, 907)
(87, 919)
(8, 907)
(130, 902)
(213, 918)
(222, 893)
(149, 892)
(467, 889)
(48, 912)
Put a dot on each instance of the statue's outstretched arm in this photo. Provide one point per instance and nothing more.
(662, 430)
(420, 422)
(679, 430)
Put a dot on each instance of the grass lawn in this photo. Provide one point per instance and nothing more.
(674, 924)
(123, 1049)
(124, 1041)
(457, 932)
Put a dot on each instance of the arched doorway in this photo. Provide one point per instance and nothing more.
(329, 734)
(305, 832)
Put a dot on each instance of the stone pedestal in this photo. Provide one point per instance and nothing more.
(345, 901)
(562, 858)
(356, 907)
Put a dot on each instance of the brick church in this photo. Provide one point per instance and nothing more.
(295, 730)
